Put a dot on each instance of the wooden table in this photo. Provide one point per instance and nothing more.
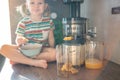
(111, 71)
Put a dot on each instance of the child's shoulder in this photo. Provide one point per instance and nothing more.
(25, 20)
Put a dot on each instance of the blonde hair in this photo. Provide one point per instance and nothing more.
(22, 9)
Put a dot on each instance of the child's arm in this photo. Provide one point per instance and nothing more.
(51, 38)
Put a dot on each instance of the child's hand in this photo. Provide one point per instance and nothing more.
(21, 40)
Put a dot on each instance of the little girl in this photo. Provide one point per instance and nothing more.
(35, 27)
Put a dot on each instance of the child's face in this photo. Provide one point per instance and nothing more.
(36, 7)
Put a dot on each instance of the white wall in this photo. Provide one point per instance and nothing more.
(108, 25)
(5, 34)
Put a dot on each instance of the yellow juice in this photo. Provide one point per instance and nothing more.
(93, 64)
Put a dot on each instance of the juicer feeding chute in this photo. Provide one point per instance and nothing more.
(75, 25)
(74, 7)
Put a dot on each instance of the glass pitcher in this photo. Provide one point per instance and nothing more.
(94, 55)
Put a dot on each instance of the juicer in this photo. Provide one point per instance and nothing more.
(71, 53)
(74, 33)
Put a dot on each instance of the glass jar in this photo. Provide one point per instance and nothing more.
(60, 62)
(94, 55)
(69, 59)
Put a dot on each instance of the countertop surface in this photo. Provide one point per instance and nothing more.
(110, 71)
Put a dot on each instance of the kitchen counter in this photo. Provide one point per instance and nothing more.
(110, 71)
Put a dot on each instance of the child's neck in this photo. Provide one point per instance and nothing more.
(36, 18)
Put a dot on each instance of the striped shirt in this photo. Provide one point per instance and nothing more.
(35, 32)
